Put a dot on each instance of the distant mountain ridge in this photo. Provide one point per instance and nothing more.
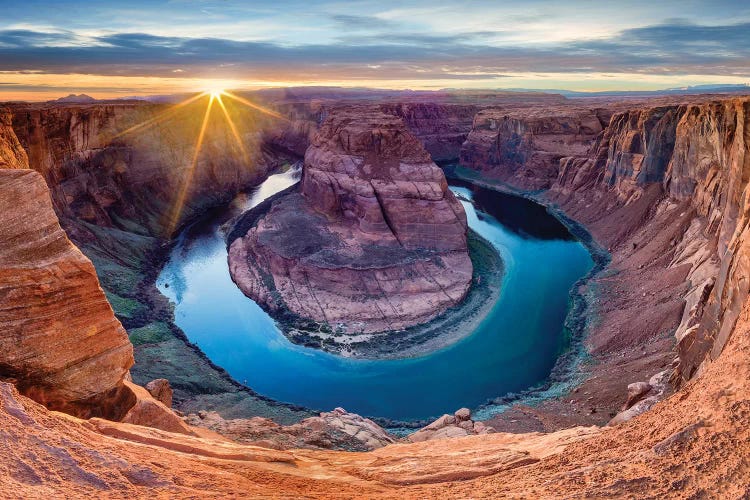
(690, 89)
(354, 93)
(75, 99)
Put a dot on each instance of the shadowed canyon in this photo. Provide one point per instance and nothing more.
(288, 306)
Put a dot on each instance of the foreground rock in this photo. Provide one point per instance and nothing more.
(374, 241)
(59, 339)
(161, 390)
(330, 430)
(459, 424)
(642, 396)
(58, 336)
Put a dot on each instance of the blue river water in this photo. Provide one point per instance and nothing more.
(512, 349)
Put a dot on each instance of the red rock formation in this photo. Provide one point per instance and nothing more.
(366, 167)
(59, 339)
(442, 128)
(337, 429)
(12, 154)
(524, 146)
(694, 156)
(459, 424)
(161, 391)
(374, 242)
(133, 181)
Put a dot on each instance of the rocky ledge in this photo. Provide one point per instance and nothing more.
(373, 241)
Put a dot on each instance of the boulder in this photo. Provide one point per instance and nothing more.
(161, 390)
(636, 392)
(448, 426)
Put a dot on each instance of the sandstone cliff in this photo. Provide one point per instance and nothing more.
(442, 128)
(131, 181)
(662, 187)
(12, 154)
(115, 195)
(374, 241)
(689, 161)
(59, 340)
(524, 146)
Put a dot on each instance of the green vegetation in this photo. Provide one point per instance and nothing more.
(153, 333)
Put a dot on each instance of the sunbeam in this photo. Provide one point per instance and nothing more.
(160, 117)
(232, 127)
(255, 106)
(213, 95)
(180, 200)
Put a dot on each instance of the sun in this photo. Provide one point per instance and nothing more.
(215, 93)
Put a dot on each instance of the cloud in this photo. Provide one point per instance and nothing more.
(363, 22)
(672, 48)
(17, 38)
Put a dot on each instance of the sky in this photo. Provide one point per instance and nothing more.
(50, 48)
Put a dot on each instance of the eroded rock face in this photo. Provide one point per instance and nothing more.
(373, 241)
(459, 424)
(442, 128)
(132, 181)
(524, 146)
(58, 336)
(337, 429)
(12, 154)
(663, 186)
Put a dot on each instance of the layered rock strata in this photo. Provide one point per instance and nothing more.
(60, 339)
(524, 146)
(662, 188)
(373, 241)
(441, 128)
(12, 154)
(337, 429)
(115, 196)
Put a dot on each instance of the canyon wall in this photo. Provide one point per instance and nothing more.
(442, 128)
(60, 339)
(115, 196)
(524, 146)
(663, 187)
(132, 181)
(12, 154)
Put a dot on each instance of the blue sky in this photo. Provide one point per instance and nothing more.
(139, 46)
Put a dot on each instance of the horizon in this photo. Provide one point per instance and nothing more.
(708, 89)
(50, 49)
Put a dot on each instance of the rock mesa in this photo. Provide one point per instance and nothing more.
(373, 241)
